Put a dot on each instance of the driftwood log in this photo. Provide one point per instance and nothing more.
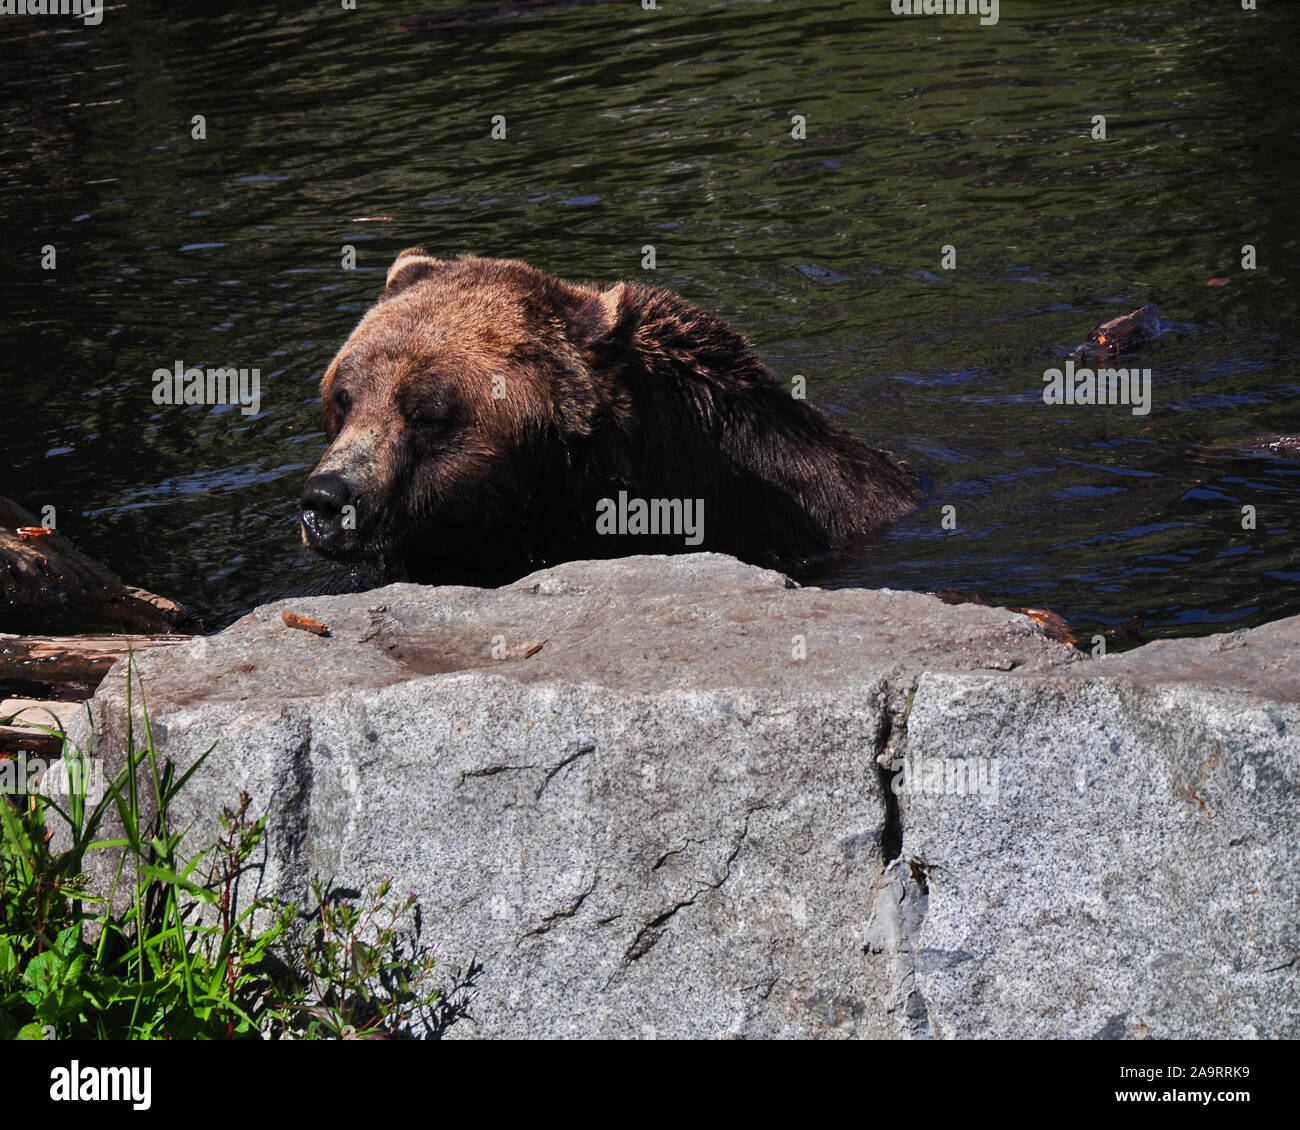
(48, 587)
(69, 667)
(50, 660)
(24, 721)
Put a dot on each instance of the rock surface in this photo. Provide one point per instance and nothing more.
(657, 797)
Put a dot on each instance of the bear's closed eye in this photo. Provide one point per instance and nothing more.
(434, 409)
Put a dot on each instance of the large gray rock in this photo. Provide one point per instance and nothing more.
(1133, 873)
(675, 818)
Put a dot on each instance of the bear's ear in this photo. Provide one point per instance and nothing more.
(604, 321)
(409, 268)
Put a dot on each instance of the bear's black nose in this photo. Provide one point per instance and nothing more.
(326, 502)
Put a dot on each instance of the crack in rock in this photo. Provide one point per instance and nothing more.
(658, 863)
(762, 988)
(651, 932)
(491, 771)
(548, 923)
(582, 752)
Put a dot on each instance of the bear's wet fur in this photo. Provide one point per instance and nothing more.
(482, 409)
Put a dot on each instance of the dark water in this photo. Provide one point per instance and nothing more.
(627, 127)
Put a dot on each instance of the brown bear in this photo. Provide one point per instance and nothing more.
(486, 419)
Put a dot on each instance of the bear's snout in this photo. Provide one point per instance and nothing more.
(328, 514)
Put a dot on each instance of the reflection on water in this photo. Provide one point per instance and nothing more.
(626, 127)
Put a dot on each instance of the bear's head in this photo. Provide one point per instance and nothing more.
(454, 402)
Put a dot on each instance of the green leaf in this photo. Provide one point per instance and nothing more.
(165, 875)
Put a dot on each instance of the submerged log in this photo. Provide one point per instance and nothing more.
(1054, 624)
(1120, 335)
(47, 586)
(1259, 447)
